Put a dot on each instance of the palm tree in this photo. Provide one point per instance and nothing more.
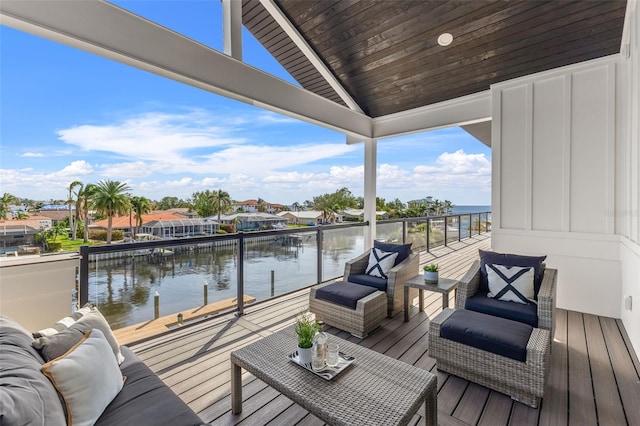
(140, 206)
(5, 203)
(84, 202)
(261, 206)
(72, 202)
(297, 207)
(110, 198)
(222, 202)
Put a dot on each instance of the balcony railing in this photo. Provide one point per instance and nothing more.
(137, 282)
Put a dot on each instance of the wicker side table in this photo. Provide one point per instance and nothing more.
(444, 286)
(523, 381)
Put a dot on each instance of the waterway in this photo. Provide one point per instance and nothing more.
(124, 288)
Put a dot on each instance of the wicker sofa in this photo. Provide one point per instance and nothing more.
(469, 286)
(407, 268)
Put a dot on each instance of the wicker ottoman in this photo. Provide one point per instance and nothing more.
(366, 317)
(522, 380)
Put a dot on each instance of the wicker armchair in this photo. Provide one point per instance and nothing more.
(469, 284)
(397, 276)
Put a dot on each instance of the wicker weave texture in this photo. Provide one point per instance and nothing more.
(369, 312)
(524, 381)
(469, 284)
(374, 390)
(400, 273)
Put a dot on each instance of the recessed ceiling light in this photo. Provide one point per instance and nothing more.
(445, 39)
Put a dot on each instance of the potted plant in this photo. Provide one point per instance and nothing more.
(306, 329)
(431, 273)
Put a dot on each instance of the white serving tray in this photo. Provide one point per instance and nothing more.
(327, 372)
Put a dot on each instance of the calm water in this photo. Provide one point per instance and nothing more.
(124, 288)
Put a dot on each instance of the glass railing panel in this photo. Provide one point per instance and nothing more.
(417, 234)
(453, 229)
(436, 232)
(390, 232)
(338, 247)
(123, 284)
(291, 259)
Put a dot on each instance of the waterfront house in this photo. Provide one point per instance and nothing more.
(180, 228)
(254, 206)
(127, 223)
(358, 214)
(252, 221)
(15, 234)
(552, 86)
(310, 217)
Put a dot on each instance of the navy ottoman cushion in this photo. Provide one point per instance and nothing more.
(491, 334)
(527, 314)
(343, 293)
(368, 280)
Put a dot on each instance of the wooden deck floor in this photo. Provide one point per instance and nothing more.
(594, 377)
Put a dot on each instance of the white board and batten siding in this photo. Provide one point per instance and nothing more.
(554, 179)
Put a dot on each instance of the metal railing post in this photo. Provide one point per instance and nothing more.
(445, 232)
(240, 285)
(319, 255)
(404, 232)
(428, 230)
(459, 228)
(83, 297)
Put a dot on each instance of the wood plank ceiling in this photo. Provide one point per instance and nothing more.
(385, 52)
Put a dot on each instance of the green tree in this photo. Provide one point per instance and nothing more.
(110, 198)
(5, 204)
(330, 203)
(140, 206)
(83, 205)
(261, 205)
(33, 206)
(171, 203)
(71, 202)
(222, 202)
(204, 203)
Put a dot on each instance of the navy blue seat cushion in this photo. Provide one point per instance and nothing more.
(488, 333)
(145, 399)
(524, 313)
(343, 293)
(368, 280)
(492, 257)
(403, 250)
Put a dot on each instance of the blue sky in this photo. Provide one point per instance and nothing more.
(70, 115)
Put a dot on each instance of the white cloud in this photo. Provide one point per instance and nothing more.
(197, 142)
(119, 171)
(31, 154)
(42, 185)
(455, 172)
(152, 136)
(75, 169)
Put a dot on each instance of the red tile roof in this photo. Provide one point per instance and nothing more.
(123, 221)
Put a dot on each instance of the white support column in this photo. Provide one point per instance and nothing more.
(370, 165)
(232, 27)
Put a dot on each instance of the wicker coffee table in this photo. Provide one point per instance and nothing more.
(374, 390)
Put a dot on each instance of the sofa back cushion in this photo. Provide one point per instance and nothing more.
(26, 395)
